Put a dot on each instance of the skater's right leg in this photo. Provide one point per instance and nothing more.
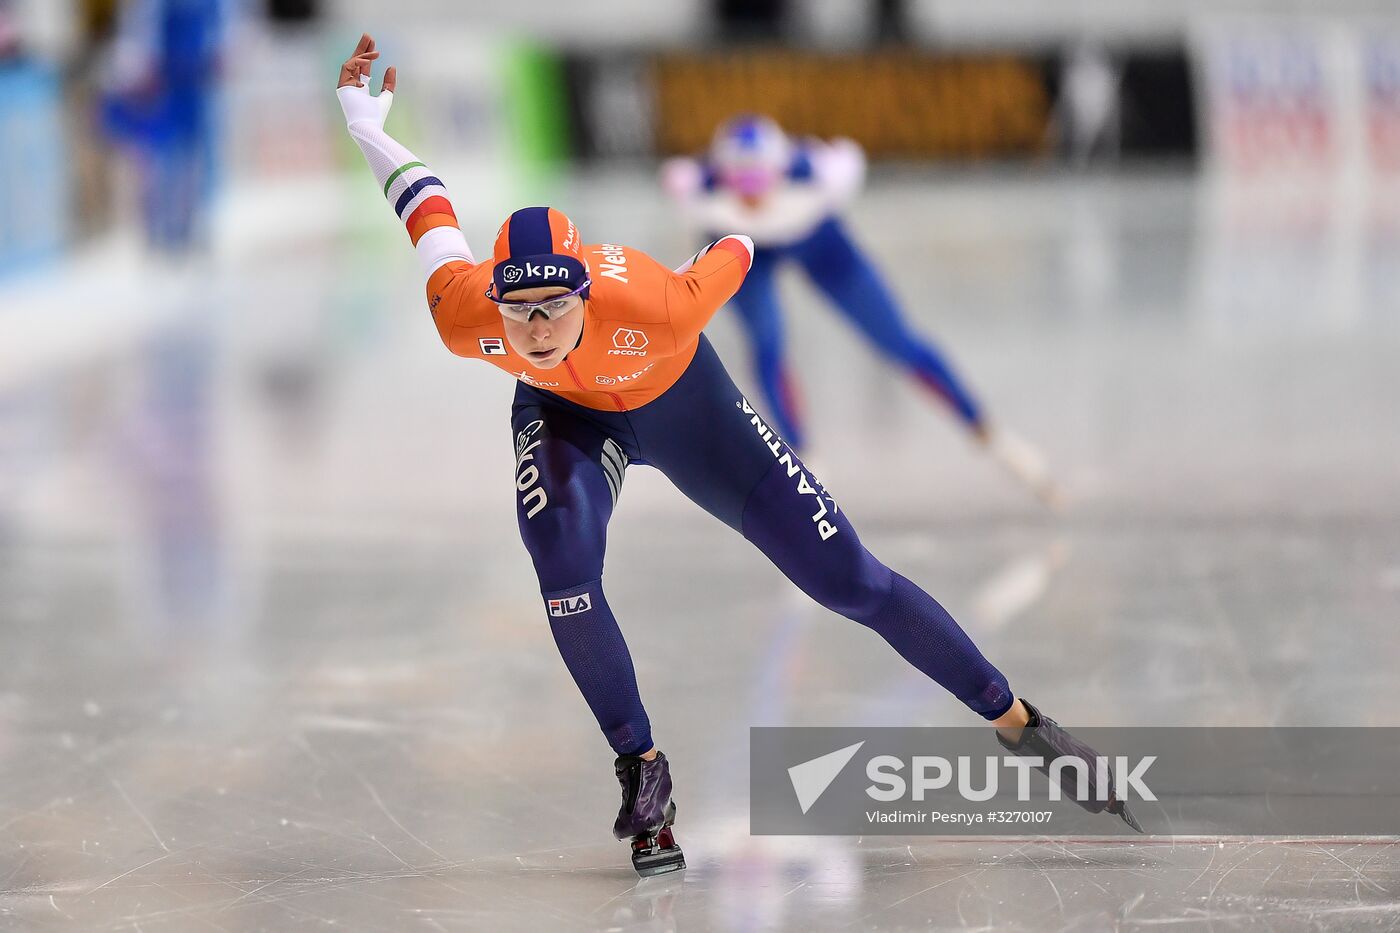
(847, 277)
(568, 474)
(567, 478)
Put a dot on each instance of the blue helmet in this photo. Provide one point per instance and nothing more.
(750, 153)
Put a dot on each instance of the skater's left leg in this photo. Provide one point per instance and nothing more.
(711, 443)
(724, 456)
(846, 276)
(798, 526)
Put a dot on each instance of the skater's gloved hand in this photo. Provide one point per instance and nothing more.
(353, 89)
(681, 178)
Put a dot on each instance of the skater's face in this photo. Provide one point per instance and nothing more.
(751, 182)
(545, 341)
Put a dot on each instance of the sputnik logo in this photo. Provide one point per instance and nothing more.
(811, 778)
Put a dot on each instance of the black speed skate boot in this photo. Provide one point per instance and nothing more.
(647, 814)
(1045, 739)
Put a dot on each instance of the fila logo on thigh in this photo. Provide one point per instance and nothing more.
(527, 475)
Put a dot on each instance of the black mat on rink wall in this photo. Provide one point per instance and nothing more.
(897, 102)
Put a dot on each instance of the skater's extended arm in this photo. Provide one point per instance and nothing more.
(704, 282)
(838, 167)
(417, 195)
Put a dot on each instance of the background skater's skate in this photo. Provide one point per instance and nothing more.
(647, 813)
(1045, 739)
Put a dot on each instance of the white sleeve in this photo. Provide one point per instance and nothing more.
(404, 180)
(839, 168)
(442, 245)
(682, 178)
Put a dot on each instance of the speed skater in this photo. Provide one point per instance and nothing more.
(612, 370)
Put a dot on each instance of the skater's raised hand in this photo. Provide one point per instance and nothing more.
(353, 88)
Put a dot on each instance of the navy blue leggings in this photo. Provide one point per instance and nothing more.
(707, 438)
(844, 275)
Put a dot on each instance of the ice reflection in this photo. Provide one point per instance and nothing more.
(165, 434)
(765, 882)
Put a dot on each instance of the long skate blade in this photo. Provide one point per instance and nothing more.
(658, 862)
(1131, 820)
(1027, 464)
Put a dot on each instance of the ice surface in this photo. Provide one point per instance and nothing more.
(273, 656)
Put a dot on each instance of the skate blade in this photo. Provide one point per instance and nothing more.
(1127, 817)
(660, 862)
(1053, 498)
(657, 856)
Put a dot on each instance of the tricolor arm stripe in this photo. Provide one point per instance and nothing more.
(399, 171)
(737, 244)
(413, 190)
(685, 266)
(410, 174)
(436, 204)
(417, 195)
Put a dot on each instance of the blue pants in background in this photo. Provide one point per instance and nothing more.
(844, 275)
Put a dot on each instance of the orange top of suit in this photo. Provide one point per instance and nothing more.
(642, 321)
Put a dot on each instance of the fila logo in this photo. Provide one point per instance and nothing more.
(570, 605)
(493, 346)
(628, 342)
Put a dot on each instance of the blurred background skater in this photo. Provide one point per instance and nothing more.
(787, 195)
(162, 106)
(1088, 115)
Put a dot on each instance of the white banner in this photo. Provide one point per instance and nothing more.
(1309, 95)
